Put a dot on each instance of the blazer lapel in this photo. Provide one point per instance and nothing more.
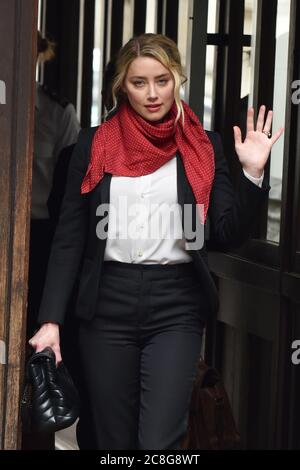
(186, 196)
(105, 188)
(100, 195)
(181, 180)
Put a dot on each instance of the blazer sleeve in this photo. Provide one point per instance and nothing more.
(231, 213)
(69, 239)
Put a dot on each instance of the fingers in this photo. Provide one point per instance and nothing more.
(40, 345)
(250, 122)
(57, 355)
(47, 336)
(261, 118)
(35, 341)
(237, 135)
(32, 342)
(268, 123)
(261, 126)
(276, 135)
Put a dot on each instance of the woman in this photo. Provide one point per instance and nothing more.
(143, 301)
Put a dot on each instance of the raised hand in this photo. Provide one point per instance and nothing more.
(253, 153)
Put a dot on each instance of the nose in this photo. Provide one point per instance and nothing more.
(152, 93)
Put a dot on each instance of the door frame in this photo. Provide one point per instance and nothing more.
(18, 42)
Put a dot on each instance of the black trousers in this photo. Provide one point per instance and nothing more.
(139, 354)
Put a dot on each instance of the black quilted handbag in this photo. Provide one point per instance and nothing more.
(50, 400)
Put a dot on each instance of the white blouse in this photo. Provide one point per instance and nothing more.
(144, 221)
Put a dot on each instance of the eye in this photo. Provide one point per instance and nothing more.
(163, 81)
(138, 83)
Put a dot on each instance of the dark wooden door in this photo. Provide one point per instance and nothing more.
(18, 20)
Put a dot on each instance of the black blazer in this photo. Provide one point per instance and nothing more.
(77, 253)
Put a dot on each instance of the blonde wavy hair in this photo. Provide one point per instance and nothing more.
(157, 46)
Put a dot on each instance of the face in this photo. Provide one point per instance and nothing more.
(149, 87)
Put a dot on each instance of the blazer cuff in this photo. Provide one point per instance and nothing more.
(257, 181)
(264, 188)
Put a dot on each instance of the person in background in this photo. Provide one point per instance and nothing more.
(143, 301)
(56, 127)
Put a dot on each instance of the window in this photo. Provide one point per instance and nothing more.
(279, 98)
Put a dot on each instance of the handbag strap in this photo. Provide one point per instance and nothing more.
(207, 376)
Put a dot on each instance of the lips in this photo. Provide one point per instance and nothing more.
(153, 107)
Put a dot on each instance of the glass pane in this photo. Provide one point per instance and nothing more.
(212, 24)
(247, 64)
(279, 99)
(246, 82)
(248, 16)
(41, 20)
(184, 34)
(128, 20)
(209, 93)
(151, 16)
(96, 117)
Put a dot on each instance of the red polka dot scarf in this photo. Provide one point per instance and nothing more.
(128, 145)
